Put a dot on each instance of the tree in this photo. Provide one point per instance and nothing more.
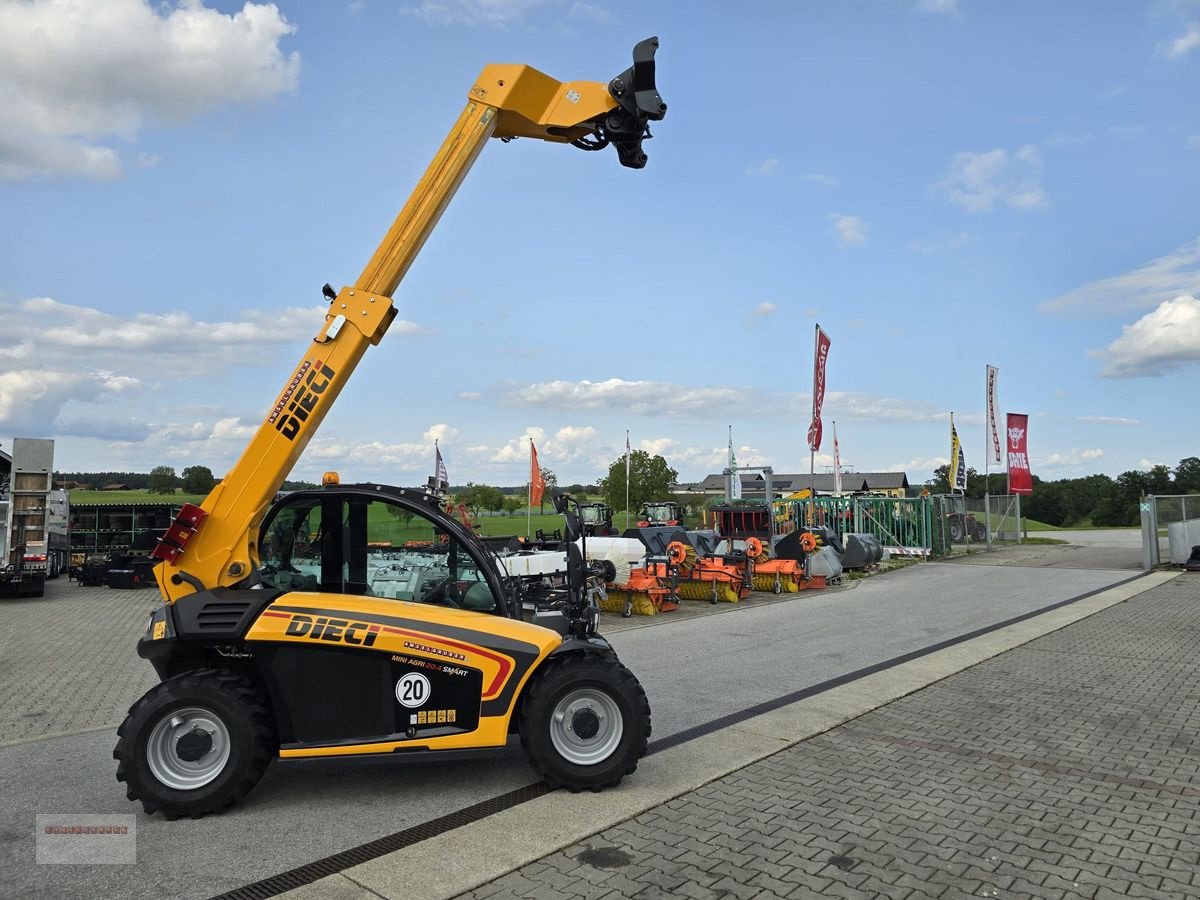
(513, 504)
(940, 482)
(481, 496)
(493, 499)
(1187, 475)
(551, 482)
(650, 478)
(198, 480)
(163, 480)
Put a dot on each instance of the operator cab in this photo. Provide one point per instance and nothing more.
(375, 541)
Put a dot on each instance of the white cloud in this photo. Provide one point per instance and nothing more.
(942, 244)
(1074, 457)
(764, 309)
(441, 432)
(76, 74)
(31, 399)
(666, 400)
(919, 464)
(979, 181)
(766, 167)
(1157, 343)
(115, 428)
(1135, 129)
(1185, 43)
(141, 343)
(938, 6)
(1193, 141)
(575, 445)
(1155, 282)
(850, 229)
(590, 11)
(821, 179)
(61, 366)
(493, 13)
(695, 459)
(638, 397)
(1109, 420)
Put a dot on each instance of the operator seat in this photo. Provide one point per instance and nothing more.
(479, 597)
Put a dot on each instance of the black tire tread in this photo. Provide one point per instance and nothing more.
(543, 684)
(241, 691)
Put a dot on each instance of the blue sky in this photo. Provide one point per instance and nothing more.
(941, 184)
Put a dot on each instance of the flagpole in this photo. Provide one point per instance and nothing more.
(987, 452)
(529, 496)
(627, 478)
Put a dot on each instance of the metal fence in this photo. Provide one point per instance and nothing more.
(929, 526)
(1170, 528)
(902, 525)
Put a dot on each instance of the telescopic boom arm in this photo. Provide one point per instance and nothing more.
(216, 544)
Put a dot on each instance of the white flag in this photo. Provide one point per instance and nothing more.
(439, 467)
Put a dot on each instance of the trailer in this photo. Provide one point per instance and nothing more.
(34, 541)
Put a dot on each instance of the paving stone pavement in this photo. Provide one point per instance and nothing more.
(1064, 768)
(68, 660)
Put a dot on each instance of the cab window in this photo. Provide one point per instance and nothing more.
(371, 546)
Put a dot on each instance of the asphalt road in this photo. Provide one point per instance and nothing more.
(694, 670)
(1108, 548)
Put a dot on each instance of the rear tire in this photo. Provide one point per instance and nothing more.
(585, 722)
(195, 744)
(957, 532)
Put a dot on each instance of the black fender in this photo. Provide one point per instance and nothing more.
(593, 644)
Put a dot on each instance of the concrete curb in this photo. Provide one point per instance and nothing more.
(473, 855)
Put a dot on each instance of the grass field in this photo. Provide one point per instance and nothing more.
(383, 527)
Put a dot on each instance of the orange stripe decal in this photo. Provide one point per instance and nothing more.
(504, 662)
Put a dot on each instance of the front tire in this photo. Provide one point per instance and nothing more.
(585, 722)
(195, 744)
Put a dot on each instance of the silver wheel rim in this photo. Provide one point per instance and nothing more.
(166, 764)
(600, 746)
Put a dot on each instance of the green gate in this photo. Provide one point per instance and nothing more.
(902, 525)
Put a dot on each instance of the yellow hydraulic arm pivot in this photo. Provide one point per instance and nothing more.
(215, 544)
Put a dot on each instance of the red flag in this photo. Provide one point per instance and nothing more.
(537, 484)
(822, 354)
(1020, 479)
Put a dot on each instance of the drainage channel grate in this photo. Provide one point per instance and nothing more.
(332, 865)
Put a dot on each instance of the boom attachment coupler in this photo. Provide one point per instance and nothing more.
(638, 104)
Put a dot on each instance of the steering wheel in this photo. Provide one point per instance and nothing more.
(437, 593)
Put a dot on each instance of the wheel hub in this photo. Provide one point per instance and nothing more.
(193, 745)
(585, 723)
